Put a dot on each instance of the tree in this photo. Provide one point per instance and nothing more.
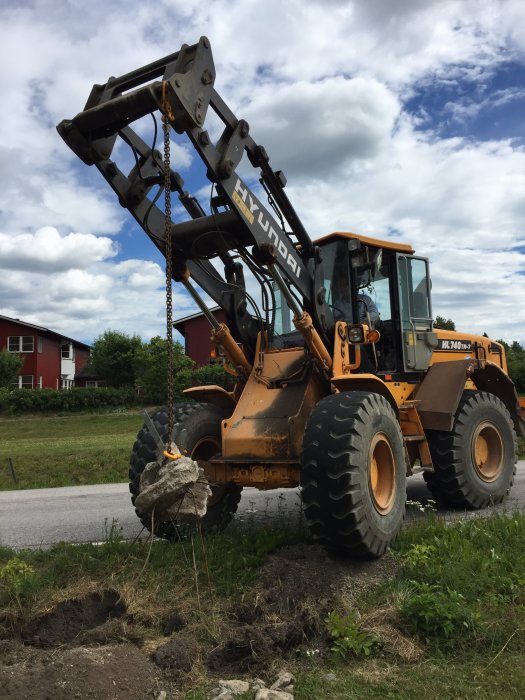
(113, 358)
(213, 374)
(151, 370)
(516, 363)
(10, 366)
(446, 324)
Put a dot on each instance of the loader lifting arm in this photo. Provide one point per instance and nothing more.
(281, 254)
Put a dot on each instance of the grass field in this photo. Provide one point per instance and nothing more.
(71, 450)
(453, 593)
(68, 450)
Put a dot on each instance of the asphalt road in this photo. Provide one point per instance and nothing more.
(42, 517)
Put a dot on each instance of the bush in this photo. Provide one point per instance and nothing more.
(348, 637)
(10, 367)
(35, 400)
(437, 613)
(213, 374)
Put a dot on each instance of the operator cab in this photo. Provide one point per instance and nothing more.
(382, 284)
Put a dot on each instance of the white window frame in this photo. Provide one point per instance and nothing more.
(20, 339)
(70, 351)
(24, 385)
(40, 344)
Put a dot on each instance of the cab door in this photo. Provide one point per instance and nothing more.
(418, 337)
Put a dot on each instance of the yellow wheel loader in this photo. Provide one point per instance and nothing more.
(344, 386)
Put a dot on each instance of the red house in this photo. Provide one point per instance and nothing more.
(51, 360)
(196, 331)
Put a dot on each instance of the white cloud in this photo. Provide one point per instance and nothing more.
(314, 128)
(47, 252)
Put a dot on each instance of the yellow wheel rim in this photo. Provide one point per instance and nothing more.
(382, 474)
(487, 451)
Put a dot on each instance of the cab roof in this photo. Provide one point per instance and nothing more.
(375, 242)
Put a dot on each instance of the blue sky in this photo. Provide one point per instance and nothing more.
(488, 107)
(400, 120)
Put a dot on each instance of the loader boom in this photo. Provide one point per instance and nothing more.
(238, 218)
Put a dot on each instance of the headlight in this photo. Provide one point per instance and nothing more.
(356, 334)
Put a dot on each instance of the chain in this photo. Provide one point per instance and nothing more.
(166, 112)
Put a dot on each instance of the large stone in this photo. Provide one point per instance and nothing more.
(222, 694)
(269, 694)
(284, 679)
(191, 503)
(234, 686)
(161, 485)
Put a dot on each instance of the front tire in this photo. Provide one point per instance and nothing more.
(197, 433)
(475, 463)
(353, 476)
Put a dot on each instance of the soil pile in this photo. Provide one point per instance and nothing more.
(93, 648)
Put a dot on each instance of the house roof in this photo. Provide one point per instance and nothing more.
(179, 323)
(42, 329)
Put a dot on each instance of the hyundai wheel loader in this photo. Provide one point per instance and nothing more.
(329, 397)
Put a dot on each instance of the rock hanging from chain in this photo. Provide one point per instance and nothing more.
(177, 490)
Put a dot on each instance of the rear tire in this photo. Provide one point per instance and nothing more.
(474, 464)
(353, 476)
(197, 432)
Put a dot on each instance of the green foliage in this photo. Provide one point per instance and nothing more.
(4, 399)
(10, 366)
(228, 563)
(151, 370)
(462, 676)
(434, 612)
(471, 556)
(15, 573)
(465, 580)
(16, 578)
(78, 399)
(213, 374)
(417, 555)
(516, 363)
(348, 637)
(113, 358)
(446, 324)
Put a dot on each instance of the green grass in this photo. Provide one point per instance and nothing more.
(482, 560)
(434, 678)
(476, 570)
(68, 450)
(157, 577)
(74, 449)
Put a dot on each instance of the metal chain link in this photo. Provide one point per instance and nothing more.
(166, 111)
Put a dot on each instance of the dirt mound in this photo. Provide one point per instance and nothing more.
(178, 655)
(305, 571)
(120, 672)
(296, 589)
(68, 622)
(253, 645)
